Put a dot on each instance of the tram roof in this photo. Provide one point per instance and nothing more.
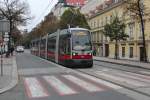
(65, 31)
(62, 32)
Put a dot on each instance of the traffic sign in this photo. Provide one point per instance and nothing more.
(6, 39)
(4, 26)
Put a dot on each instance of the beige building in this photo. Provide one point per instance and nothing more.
(101, 14)
(58, 10)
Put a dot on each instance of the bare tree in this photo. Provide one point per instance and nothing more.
(16, 12)
(138, 11)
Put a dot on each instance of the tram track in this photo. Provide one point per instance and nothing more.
(115, 83)
(88, 73)
(105, 66)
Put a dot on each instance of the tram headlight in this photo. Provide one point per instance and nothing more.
(90, 53)
(73, 54)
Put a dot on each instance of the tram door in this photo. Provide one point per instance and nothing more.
(64, 48)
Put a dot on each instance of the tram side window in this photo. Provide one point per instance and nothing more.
(64, 45)
(51, 44)
(37, 45)
(43, 44)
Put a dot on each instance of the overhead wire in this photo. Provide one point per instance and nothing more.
(44, 11)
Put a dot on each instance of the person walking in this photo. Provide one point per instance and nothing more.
(94, 51)
(12, 50)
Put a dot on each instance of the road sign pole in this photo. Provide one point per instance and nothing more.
(1, 60)
(4, 27)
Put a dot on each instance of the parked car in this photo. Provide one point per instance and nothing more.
(20, 49)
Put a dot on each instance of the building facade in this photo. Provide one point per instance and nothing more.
(103, 13)
(60, 8)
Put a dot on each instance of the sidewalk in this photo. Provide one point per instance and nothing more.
(10, 74)
(124, 62)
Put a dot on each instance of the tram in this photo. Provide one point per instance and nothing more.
(69, 47)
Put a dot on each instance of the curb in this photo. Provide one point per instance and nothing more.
(14, 77)
(129, 65)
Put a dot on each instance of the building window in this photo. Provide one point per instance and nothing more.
(91, 24)
(140, 29)
(111, 18)
(93, 37)
(115, 1)
(97, 36)
(131, 29)
(106, 20)
(131, 52)
(123, 51)
(95, 24)
(99, 23)
(102, 24)
(140, 32)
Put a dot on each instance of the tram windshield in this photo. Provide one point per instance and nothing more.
(81, 40)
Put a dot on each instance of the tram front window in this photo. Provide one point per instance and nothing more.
(81, 40)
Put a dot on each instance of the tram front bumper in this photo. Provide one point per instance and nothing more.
(79, 63)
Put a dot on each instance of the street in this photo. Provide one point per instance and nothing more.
(74, 50)
(43, 80)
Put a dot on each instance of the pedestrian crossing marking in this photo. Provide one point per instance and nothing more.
(60, 87)
(34, 88)
(83, 84)
(99, 81)
(60, 84)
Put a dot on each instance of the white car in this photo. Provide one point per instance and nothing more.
(19, 49)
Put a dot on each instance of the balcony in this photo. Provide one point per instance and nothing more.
(100, 7)
(87, 15)
(108, 2)
(92, 11)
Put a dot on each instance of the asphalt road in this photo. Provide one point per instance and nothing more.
(42, 80)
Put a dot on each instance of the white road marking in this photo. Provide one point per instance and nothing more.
(83, 84)
(34, 88)
(108, 84)
(60, 87)
(121, 79)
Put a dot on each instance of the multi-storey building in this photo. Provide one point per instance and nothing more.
(100, 14)
(60, 8)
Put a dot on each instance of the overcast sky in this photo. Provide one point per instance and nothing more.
(39, 9)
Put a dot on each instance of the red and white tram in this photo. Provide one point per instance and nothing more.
(69, 47)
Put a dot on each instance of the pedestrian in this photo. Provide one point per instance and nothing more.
(12, 50)
(8, 53)
(94, 51)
